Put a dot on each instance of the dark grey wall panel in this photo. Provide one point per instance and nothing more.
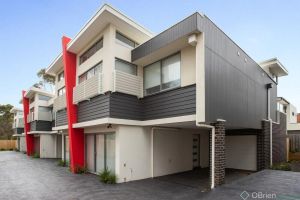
(235, 84)
(40, 126)
(178, 102)
(125, 106)
(61, 117)
(183, 28)
(95, 108)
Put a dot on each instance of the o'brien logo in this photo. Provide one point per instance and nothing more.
(257, 195)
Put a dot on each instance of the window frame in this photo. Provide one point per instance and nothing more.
(86, 72)
(135, 44)
(81, 60)
(61, 76)
(129, 63)
(61, 89)
(161, 75)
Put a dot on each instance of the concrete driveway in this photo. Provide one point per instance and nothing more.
(27, 178)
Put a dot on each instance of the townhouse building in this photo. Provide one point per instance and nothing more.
(146, 106)
(39, 120)
(18, 127)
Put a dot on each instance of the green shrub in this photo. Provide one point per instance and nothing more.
(62, 163)
(2, 149)
(282, 166)
(25, 152)
(36, 155)
(17, 150)
(80, 170)
(106, 176)
(10, 149)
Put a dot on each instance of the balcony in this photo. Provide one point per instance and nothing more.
(59, 102)
(88, 89)
(127, 83)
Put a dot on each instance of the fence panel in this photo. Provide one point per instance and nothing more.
(8, 144)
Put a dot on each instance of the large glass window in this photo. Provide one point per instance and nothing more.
(91, 51)
(44, 97)
(122, 38)
(91, 72)
(125, 66)
(162, 75)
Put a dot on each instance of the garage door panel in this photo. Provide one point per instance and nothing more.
(241, 152)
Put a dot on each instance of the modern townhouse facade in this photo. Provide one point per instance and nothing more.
(146, 106)
(39, 120)
(293, 124)
(18, 127)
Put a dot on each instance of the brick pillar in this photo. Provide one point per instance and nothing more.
(263, 147)
(219, 152)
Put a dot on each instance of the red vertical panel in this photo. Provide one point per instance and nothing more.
(29, 138)
(76, 136)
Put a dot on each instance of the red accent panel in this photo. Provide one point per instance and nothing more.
(29, 138)
(76, 136)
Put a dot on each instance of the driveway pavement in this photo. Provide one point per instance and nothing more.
(27, 178)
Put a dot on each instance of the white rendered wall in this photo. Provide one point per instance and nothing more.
(133, 153)
(48, 146)
(23, 144)
(172, 152)
(241, 152)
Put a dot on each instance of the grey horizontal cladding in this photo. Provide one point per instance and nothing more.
(95, 108)
(172, 103)
(61, 117)
(178, 102)
(183, 28)
(40, 126)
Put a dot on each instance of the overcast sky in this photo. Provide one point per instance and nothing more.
(31, 31)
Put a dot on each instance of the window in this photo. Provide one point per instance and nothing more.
(120, 37)
(61, 76)
(91, 51)
(125, 66)
(43, 97)
(44, 109)
(162, 75)
(91, 72)
(61, 91)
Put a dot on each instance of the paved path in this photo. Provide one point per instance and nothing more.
(27, 178)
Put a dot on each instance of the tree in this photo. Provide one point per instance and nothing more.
(6, 121)
(46, 79)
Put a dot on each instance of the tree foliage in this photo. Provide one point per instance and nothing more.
(46, 79)
(6, 120)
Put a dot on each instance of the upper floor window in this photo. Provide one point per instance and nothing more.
(91, 72)
(43, 97)
(162, 75)
(122, 38)
(61, 91)
(31, 100)
(44, 109)
(61, 76)
(91, 51)
(124, 66)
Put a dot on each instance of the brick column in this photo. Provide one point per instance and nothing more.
(219, 152)
(263, 146)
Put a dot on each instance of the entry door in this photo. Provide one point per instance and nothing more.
(90, 152)
(196, 150)
(37, 145)
(110, 151)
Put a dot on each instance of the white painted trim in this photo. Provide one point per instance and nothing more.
(42, 132)
(57, 128)
(187, 118)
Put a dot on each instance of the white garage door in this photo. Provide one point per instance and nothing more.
(241, 152)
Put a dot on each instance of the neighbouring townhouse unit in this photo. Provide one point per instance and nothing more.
(18, 127)
(144, 105)
(293, 123)
(39, 120)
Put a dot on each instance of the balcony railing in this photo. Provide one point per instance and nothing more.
(59, 102)
(127, 83)
(88, 89)
(45, 116)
